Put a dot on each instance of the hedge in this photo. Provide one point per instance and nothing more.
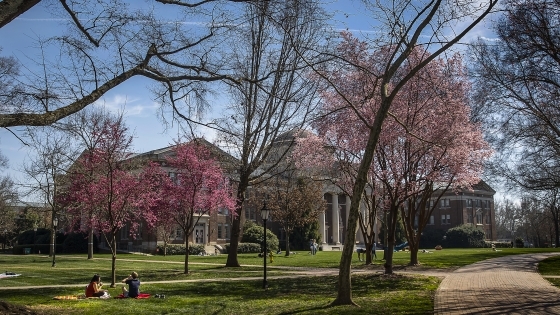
(179, 249)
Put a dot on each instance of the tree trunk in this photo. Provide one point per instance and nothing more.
(53, 240)
(113, 259)
(414, 253)
(344, 296)
(556, 220)
(287, 244)
(236, 227)
(391, 229)
(90, 244)
(369, 256)
(186, 254)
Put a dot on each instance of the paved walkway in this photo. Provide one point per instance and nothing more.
(505, 285)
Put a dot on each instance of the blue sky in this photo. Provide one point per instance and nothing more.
(133, 97)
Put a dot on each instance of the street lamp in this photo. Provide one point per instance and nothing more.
(264, 215)
(55, 224)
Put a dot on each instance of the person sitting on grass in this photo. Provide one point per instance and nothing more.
(94, 287)
(133, 286)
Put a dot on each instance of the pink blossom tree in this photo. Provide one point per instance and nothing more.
(199, 188)
(431, 147)
(107, 192)
(428, 139)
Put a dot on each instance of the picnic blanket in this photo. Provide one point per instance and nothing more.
(140, 296)
(69, 297)
(9, 275)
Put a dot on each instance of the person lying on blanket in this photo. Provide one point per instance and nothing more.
(133, 285)
(94, 287)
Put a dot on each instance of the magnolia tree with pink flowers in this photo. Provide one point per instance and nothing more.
(426, 145)
(107, 192)
(198, 188)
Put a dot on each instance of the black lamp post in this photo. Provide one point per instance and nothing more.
(264, 215)
(55, 224)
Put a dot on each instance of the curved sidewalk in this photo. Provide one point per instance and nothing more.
(505, 285)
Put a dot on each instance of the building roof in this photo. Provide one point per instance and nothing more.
(482, 185)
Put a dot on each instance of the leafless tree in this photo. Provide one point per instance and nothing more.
(54, 153)
(81, 130)
(294, 201)
(106, 43)
(518, 93)
(275, 98)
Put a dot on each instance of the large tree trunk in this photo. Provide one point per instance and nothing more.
(344, 296)
(11, 9)
(236, 226)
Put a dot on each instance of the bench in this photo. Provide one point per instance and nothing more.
(335, 247)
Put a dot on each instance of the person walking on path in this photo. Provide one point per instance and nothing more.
(312, 247)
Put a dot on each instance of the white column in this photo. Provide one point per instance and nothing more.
(335, 219)
(206, 235)
(322, 227)
(360, 235)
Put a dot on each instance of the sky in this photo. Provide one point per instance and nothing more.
(133, 97)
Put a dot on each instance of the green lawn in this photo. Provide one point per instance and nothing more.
(375, 293)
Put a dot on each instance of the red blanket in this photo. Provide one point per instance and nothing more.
(140, 296)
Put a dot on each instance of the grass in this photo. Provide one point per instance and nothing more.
(550, 266)
(375, 293)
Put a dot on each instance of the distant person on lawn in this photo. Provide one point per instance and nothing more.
(133, 286)
(94, 287)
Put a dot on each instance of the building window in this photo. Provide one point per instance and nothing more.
(139, 231)
(479, 218)
(225, 211)
(431, 220)
(173, 177)
(124, 232)
(444, 203)
(469, 202)
(470, 218)
(487, 219)
(226, 228)
(220, 235)
(445, 219)
(178, 233)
